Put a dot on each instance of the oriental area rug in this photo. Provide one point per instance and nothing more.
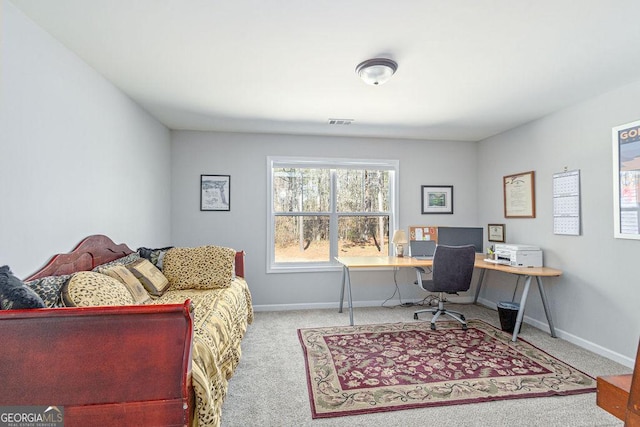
(374, 368)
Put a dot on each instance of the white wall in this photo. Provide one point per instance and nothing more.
(243, 156)
(78, 157)
(596, 301)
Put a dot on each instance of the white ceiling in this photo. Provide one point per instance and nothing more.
(468, 69)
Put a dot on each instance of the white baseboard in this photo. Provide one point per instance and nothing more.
(325, 305)
(318, 306)
(580, 342)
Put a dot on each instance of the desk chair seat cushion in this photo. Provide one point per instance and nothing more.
(452, 269)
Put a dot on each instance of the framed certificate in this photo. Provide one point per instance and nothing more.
(495, 232)
(519, 195)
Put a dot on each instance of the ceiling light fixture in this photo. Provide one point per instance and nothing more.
(376, 71)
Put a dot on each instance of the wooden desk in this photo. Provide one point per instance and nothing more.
(407, 262)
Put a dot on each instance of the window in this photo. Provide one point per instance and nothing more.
(322, 208)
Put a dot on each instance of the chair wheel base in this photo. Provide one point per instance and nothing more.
(415, 316)
(464, 327)
(433, 326)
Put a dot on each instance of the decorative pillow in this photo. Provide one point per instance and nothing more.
(156, 256)
(127, 259)
(204, 267)
(14, 294)
(126, 277)
(90, 289)
(48, 288)
(150, 277)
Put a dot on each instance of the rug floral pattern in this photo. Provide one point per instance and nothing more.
(371, 368)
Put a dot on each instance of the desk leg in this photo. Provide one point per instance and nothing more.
(346, 278)
(479, 285)
(545, 304)
(344, 275)
(523, 303)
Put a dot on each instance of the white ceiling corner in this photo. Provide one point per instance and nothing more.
(467, 69)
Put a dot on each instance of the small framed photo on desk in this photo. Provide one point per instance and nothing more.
(496, 232)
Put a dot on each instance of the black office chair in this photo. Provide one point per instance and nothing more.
(452, 270)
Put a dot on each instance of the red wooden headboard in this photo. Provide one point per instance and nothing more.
(88, 254)
(93, 251)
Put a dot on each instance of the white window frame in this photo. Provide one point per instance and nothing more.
(393, 166)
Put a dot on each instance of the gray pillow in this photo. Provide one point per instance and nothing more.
(14, 294)
(156, 256)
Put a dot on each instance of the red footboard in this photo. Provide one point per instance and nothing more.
(104, 365)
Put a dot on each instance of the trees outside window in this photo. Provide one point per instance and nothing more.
(323, 208)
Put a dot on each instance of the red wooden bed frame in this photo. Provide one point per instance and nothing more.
(104, 365)
(96, 250)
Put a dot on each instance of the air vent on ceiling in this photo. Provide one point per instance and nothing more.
(340, 121)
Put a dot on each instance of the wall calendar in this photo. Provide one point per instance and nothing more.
(566, 203)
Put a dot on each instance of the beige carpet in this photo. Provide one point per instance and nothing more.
(269, 387)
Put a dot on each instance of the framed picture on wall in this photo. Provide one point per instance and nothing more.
(626, 181)
(519, 195)
(215, 192)
(437, 199)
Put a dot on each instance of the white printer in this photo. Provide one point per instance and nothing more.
(518, 255)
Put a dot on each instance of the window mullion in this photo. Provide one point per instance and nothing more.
(333, 217)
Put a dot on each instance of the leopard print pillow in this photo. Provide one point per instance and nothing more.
(127, 259)
(89, 289)
(49, 289)
(204, 267)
